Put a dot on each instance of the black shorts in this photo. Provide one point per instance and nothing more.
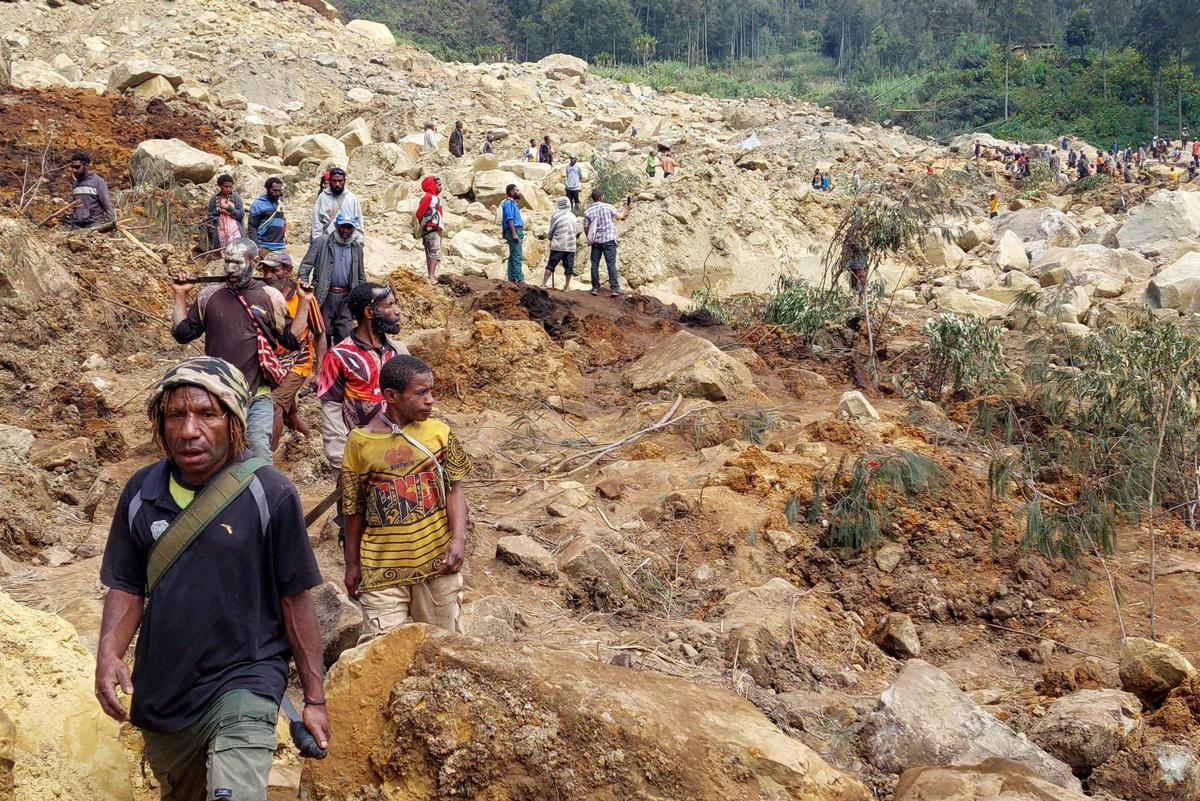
(573, 196)
(566, 257)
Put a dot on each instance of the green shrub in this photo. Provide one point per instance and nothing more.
(963, 354)
(851, 103)
(804, 309)
(858, 500)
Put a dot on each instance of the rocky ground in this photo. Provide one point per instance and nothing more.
(648, 615)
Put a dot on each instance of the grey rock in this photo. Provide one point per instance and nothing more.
(1085, 728)
(923, 718)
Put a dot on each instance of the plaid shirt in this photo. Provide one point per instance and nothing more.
(601, 219)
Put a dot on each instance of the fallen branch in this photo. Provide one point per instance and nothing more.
(1051, 639)
(599, 453)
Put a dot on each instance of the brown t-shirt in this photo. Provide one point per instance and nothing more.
(228, 333)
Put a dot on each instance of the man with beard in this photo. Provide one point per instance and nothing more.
(333, 266)
(348, 381)
(333, 203)
(90, 205)
(277, 274)
(266, 225)
(234, 318)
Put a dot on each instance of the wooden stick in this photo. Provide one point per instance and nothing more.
(139, 243)
(1051, 639)
(57, 213)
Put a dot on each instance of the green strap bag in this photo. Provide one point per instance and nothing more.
(204, 508)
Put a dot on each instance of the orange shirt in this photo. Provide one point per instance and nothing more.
(301, 361)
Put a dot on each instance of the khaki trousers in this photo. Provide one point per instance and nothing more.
(437, 601)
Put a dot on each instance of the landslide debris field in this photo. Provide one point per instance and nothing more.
(664, 595)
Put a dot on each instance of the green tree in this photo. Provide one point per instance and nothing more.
(1080, 31)
(644, 45)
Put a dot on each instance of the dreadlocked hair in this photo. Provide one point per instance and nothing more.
(158, 420)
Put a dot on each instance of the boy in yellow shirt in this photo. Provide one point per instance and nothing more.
(404, 506)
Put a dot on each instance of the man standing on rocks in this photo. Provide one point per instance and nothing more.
(333, 266)
(429, 142)
(456, 140)
(335, 202)
(209, 564)
(242, 321)
(277, 274)
(348, 381)
(574, 182)
(406, 512)
(513, 227)
(267, 226)
(487, 146)
(600, 224)
(561, 235)
(545, 156)
(91, 205)
(430, 222)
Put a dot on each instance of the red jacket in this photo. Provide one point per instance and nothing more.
(429, 184)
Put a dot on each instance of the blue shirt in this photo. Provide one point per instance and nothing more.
(511, 212)
(266, 225)
(340, 275)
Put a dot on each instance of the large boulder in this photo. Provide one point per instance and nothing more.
(355, 134)
(1010, 252)
(897, 636)
(489, 187)
(156, 87)
(135, 71)
(63, 744)
(377, 32)
(321, 147)
(693, 367)
(1040, 224)
(1087, 727)
(1177, 286)
(423, 713)
(1164, 221)
(30, 273)
(476, 246)
(377, 159)
(956, 301)
(339, 620)
(598, 577)
(1103, 268)
(1151, 669)
(941, 252)
(559, 65)
(36, 74)
(156, 159)
(924, 719)
(1159, 772)
(991, 780)
(15, 444)
(744, 118)
(973, 234)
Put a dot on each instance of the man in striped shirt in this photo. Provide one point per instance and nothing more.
(405, 509)
(600, 224)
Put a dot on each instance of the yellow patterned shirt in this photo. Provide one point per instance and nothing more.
(396, 487)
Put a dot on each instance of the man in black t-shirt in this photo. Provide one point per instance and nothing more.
(219, 627)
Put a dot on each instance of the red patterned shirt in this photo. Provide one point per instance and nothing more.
(350, 376)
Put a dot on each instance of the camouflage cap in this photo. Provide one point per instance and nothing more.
(217, 376)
